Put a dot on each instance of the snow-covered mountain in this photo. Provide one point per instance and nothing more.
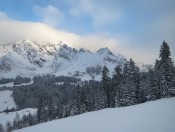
(28, 59)
(154, 116)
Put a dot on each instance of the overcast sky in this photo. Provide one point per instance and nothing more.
(135, 29)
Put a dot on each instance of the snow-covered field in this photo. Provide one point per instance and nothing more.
(11, 84)
(6, 100)
(155, 116)
(4, 118)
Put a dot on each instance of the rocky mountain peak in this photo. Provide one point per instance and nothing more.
(104, 51)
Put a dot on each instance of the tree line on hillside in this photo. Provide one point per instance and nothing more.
(127, 86)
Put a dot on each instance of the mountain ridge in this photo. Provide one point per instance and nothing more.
(27, 58)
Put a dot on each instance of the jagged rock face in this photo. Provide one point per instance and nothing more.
(30, 51)
(67, 53)
(31, 58)
(6, 64)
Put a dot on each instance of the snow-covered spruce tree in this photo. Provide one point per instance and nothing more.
(31, 119)
(124, 91)
(79, 100)
(51, 110)
(59, 110)
(41, 113)
(116, 84)
(143, 92)
(151, 87)
(130, 85)
(107, 86)
(157, 78)
(89, 101)
(167, 78)
(101, 99)
(146, 86)
(15, 122)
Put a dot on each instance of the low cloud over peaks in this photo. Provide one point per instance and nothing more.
(12, 30)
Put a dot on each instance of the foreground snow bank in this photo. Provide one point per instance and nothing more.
(155, 116)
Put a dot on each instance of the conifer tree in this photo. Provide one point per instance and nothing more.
(101, 100)
(79, 100)
(116, 83)
(59, 111)
(152, 89)
(30, 120)
(51, 110)
(134, 81)
(15, 122)
(143, 92)
(167, 78)
(157, 78)
(130, 84)
(124, 91)
(107, 86)
(41, 113)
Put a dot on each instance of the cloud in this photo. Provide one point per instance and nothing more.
(49, 15)
(101, 12)
(12, 31)
(3, 16)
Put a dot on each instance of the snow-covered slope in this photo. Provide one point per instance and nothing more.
(10, 84)
(4, 117)
(6, 100)
(27, 58)
(155, 116)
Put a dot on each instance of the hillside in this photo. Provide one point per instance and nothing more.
(6, 100)
(10, 117)
(155, 116)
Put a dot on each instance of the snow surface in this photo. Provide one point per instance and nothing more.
(4, 117)
(6, 100)
(10, 84)
(155, 116)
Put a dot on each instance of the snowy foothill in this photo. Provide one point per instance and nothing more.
(9, 117)
(6, 100)
(154, 116)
